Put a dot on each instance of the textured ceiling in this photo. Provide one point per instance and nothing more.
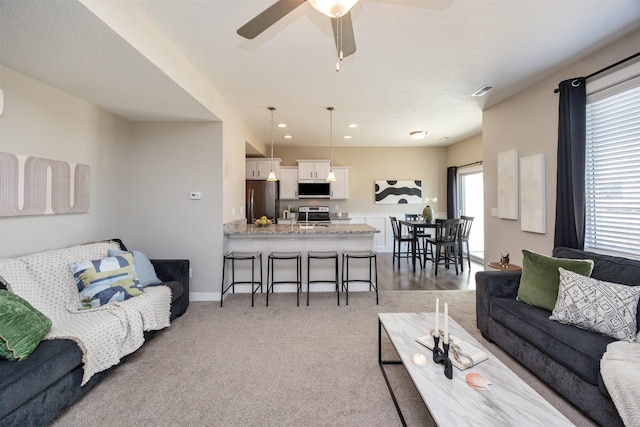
(416, 64)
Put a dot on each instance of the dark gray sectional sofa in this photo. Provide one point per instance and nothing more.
(35, 390)
(567, 358)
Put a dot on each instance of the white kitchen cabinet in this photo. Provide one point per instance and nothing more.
(288, 183)
(313, 170)
(260, 168)
(340, 188)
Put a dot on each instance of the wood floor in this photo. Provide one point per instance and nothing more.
(403, 278)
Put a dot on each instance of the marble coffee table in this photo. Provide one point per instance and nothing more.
(508, 402)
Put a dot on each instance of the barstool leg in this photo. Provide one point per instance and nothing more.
(269, 276)
(308, 277)
(299, 277)
(224, 262)
(337, 280)
(347, 289)
(253, 280)
(375, 261)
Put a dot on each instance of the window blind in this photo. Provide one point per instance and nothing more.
(613, 169)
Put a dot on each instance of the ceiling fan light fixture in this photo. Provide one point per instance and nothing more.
(333, 8)
(417, 135)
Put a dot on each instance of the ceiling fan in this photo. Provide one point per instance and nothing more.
(337, 10)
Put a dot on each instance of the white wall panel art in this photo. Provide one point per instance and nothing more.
(35, 186)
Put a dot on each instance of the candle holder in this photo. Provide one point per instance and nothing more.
(441, 356)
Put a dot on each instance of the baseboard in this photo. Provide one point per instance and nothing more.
(245, 289)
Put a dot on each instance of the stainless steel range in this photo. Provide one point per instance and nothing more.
(314, 214)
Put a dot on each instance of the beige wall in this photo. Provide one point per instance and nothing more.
(235, 133)
(367, 164)
(465, 152)
(141, 176)
(44, 122)
(528, 122)
(167, 162)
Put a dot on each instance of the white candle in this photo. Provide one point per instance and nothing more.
(437, 315)
(446, 323)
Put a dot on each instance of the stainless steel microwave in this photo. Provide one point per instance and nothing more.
(314, 190)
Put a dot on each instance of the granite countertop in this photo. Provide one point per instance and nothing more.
(240, 229)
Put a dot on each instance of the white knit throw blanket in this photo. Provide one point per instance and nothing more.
(620, 370)
(105, 334)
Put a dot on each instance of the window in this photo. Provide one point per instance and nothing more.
(613, 168)
(471, 203)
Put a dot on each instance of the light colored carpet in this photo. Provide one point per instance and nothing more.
(280, 365)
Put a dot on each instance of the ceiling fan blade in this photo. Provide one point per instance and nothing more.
(268, 17)
(348, 39)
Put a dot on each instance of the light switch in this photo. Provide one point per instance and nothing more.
(494, 211)
(195, 195)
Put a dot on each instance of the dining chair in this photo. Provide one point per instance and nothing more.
(465, 230)
(398, 240)
(445, 244)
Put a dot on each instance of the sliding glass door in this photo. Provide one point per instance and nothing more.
(471, 203)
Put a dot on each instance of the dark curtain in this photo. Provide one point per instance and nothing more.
(570, 186)
(452, 192)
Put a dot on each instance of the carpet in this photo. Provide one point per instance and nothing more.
(280, 365)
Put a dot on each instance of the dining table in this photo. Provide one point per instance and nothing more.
(414, 227)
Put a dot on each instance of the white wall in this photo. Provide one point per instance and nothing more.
(44, 122)
(528, 122)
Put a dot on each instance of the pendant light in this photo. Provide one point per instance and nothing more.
(332, 176)
(272, 175)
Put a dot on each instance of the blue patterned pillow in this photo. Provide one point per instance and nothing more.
(106, 280)
(144, 269)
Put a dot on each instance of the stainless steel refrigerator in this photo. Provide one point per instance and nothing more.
(262, 199)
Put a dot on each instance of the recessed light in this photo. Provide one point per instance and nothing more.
(353, 125)
(282, 125)
(288, 137)
(418, 134)
(483, 90)
(347, 137)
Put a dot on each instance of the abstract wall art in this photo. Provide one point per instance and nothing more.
(508, 184)
(532, 194)
(398, 192)
(35, 186)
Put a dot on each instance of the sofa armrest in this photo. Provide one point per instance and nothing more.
(493, 284)
(173, 270)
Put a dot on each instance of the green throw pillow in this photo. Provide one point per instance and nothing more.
(541, 278)
(22, 327)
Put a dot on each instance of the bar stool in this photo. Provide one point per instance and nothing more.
(270, 271)
(323, 255)
(241, 256)
(373, 264)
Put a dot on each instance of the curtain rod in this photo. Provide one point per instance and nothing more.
(604, 69)
(479, 162)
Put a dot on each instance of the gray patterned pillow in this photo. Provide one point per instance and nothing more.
(603, 307)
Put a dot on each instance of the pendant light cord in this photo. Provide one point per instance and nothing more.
(339, 32)
(272, 109)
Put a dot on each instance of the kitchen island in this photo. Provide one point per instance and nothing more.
(243, 237)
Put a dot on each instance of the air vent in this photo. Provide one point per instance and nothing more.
(484, 89)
